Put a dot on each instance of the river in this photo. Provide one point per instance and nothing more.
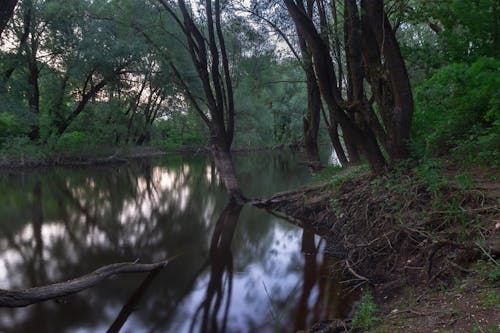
(233, 269)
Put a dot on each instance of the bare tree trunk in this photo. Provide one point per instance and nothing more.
(327, 82)
(224, 162)
(6, 12)
(34, 99)
(398, 114)
(312, 118)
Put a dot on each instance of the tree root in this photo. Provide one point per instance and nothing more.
(25, 297)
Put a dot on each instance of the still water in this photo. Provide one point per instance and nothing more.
(235, 269)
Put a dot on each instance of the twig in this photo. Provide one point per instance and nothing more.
(354, 273)
(486, 253)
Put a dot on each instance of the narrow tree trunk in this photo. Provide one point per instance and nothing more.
(333, 132)
(311, 120)
(63, 125)
(34, 99)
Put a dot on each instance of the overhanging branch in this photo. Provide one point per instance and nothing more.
(25, 297)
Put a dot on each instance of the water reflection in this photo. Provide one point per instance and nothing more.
(221, 274)
(62, 223)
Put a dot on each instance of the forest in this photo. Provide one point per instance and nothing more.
(402, 95)
(88, 77)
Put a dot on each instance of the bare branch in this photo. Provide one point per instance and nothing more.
(25, 297)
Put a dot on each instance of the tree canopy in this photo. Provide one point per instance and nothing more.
(81, 75)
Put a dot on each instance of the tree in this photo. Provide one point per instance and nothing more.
(210, 59)
(372, 54)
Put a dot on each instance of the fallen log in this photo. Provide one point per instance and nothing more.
(25, 297)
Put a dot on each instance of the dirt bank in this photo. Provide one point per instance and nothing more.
(434, 235)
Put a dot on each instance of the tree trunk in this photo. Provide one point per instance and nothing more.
(63, 125)
(6, 12)
(333, 132)
(34, 99)
(223, 161)
(398, 116)
(208, 55)
(327, 82)
(311, 120)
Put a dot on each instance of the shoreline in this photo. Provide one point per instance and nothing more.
(114, 156)
(120, 155)
(408, 245)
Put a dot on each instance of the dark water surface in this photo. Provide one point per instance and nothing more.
(237, 269)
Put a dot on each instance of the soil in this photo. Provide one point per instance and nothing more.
(424, 250)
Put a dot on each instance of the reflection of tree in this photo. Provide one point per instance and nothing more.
(330, 301)
(221, 265)
(310, 278)
(132, 302)
(100, 216)
(65, 223)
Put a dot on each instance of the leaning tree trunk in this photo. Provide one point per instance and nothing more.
(327, 82)
(312, 118)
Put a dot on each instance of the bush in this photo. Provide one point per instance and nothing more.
(366, 318)
(74, 142)
(20, 147)
(457, 111)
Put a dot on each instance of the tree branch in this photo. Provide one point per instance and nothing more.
(25, 297)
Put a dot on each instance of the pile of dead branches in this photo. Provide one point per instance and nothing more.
(397, 230)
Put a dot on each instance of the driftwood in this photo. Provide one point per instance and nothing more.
(24, 297)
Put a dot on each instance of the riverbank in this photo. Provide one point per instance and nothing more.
(428, 230)
(111, 155)
(44, 157)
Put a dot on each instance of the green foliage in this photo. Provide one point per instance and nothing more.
(365, 319)
(349, 174)
(490, 298)
(73, 142)
(465, 181)
(457, 111)
(436, 33)
(8, 126)
(21, 147)
(327, 173)
(430, 173)
(270, 101)
(488, 270)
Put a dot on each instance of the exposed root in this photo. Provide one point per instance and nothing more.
(392, 231)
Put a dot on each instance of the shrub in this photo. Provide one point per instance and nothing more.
(73, 142)
(366, 318)
(457, 111)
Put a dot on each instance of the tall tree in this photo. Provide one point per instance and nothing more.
(210, 59)
(372, 55)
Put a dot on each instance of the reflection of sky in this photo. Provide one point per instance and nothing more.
(250, 302)
(136, 226)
